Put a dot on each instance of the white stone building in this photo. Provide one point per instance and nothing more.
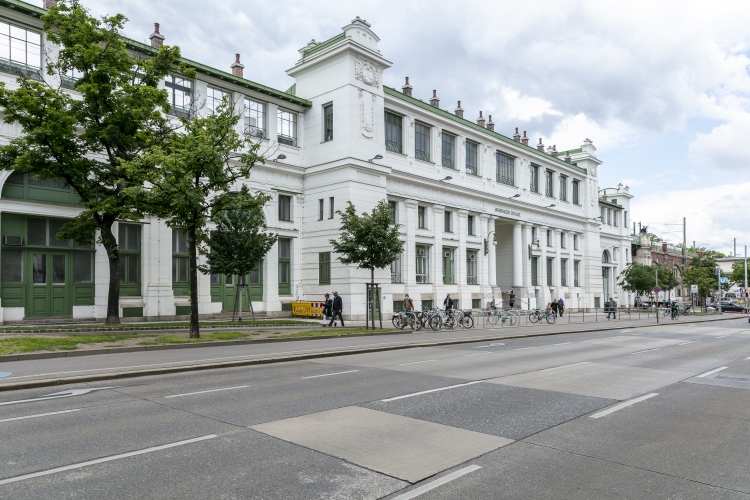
(481, 214)
(616, 240)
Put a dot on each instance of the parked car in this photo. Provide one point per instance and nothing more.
(732, 307)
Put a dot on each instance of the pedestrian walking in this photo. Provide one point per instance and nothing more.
(408, 303)
(337, 307)
(561, 306)
(512, 299)
(448, 302)
(327, 307)
(553, 307)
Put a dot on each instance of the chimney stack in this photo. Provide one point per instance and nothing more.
(406, 89)
(664, 247)
(540, 146)
(517, 136)
(490, 125)
(435, 101)
(480, 120)
(567, 156)
(237, 67)
(48, 4)
(157, 39)
(554, 150)
(524, 139)
(459, 110)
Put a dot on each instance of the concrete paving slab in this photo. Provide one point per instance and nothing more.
(596, 379)
(510, 412)
(636, 342)
(658, 361)
(524, 471)
(707, 399)
(401, 447)
(390, 359)
(699, 447)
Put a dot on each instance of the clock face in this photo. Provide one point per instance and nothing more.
(368, 73)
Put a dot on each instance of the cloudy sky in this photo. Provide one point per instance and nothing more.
(662, 88)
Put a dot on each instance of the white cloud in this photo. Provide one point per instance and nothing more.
(525, 107)
(726, 147)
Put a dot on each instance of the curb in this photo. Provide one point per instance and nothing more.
(151, 328)
(284, 359)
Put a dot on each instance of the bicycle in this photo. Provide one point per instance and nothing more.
(511, 316)
(466, 320)
(536, 315)
(442, 319)
(403, 319)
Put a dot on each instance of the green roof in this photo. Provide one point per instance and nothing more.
(323, 45)
(610, 204)
(24, 7)
(463, 121)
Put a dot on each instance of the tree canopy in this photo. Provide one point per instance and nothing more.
(738, 273)
(701, 272)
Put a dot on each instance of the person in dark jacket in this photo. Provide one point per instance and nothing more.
(337, 307)
(512, 299)
(448, 302)
(327, 309)
(553, 306)
(560, 306)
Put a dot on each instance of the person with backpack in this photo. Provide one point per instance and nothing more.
(561, 306)
(327, 307)
(337, 307)
(408, 303)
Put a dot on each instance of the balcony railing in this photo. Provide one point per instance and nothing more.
(68, 82)
(255, 132)
(448, 163)
(423, 278)
(471, 280)
(534, 280)
(502, 179)
(449, 280)
(289, 141)
(422, 155)
(179, 111)
(21, 69)
(471, 169)
(393, 146)
(396, 278)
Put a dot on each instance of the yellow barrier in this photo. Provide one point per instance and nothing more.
(308, 309)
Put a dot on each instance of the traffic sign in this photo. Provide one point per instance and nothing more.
(657, 289)
(723, 280)
(693, 288)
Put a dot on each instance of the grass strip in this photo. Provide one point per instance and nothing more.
(205, 337)
(100, 326)
(70, 343)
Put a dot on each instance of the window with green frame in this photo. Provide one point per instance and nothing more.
(422, 142)
(23, 186)
(534, 271)
(179, 263)
(324, 268)
(285, 255)
(129, 242)
(394, 132)
(328, 122)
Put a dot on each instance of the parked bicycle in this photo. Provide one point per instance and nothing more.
(403, 319)
(510, 317)
(537, 315)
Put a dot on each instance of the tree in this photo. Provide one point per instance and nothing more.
(701, 272)
(638, 278)
(239, 243)
(738, 273)
(371, 241)
(193, 180)
(667, 279)
(86, 141)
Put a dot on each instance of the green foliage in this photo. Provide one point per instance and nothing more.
(654, 238)
(91, 141)
(371, 241)
(738, 273)
(239, 243)
(701, 272)
(638, 278)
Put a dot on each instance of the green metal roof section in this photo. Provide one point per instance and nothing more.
(463, 121)
(323, 45)
(610, 204)
(292, 90)
(24, 7)
(228, 77)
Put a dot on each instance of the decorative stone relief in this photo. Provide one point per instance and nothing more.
(368, 178)
(366, 72)
(367, 113)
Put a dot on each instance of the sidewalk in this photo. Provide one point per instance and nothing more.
(74, 368)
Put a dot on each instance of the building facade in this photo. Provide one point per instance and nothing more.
(480, 213)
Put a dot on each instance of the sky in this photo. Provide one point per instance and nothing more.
(661, 88)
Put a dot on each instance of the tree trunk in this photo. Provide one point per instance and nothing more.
(193, 257)
(372, 275)
(113, 254)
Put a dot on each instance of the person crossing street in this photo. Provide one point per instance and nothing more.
(338, 307)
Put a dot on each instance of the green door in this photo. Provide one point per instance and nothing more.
(224, 287)
(49, 284)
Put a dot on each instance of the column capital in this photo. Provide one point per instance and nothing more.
(462, 212)
(411, 203)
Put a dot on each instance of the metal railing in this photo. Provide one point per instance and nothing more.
(448, 163)
(393, 146)
(471, 169)
(285, 139)
(422, 155)
(255, 132)
(506, 180)
(471, 280)
(423, 278)
(396, 278)
(21, 69)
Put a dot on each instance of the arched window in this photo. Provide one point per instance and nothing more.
(605, 257)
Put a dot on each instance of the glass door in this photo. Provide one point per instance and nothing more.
(39, 300)
(49, 284)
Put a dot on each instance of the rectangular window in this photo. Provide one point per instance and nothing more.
(214, 98)
(396, 270)
(423, 264)
(506, 170)
(563, 272)
(394, 134)
(20, 51)
(180, 95)
(12, 266)
(331, 210)
(550, 264)
(563, 188)
(448, 221)
(324, 268)
(625, 221)
(448, 152)
(534, 236)
(548, 190)
(575, 242)
(535, 271)
(627, 255)
(562, 240)
(576, 193)
(421, 142)
(421, 217)
(603, 214)
(471, 267)
(255, 119)
(179, 257)
(394, 211)
(470, 223)
(534, 184)
(609, 217)
(130, 249)
(576, 272)
(549, 237)
(285, 255)
(83, 269)
(615, 216)
(55, 225)
(320, 209)
(472, 158)
(37, 231)
(328, 122)
(286, 121)
(285, 207)
(449, 268)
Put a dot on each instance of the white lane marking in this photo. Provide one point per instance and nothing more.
(691, 342)
(488, 345)
(431, 390)
(712, 372)
(39, 415)
(646, 350)
(564, 366)
(416, 362)
(477, 354)
(329, 374)
(58, 395)
(105, 459)
(623, 405)
(438, 482)
(722, 336)
(626, 331)
(524, 348)
(203, 392)
(564, 343)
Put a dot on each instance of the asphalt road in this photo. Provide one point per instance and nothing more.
(660, 412)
